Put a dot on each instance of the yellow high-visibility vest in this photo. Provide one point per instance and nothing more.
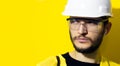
(52, 61)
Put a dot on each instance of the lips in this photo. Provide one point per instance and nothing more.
(82, 40)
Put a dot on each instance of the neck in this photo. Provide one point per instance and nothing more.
(89, 58)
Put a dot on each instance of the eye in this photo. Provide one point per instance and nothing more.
(73, 20)
(95, 22)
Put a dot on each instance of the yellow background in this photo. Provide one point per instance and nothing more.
(32, 30)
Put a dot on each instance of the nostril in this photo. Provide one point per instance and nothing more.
(84, 33)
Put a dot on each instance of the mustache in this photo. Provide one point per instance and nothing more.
(82, 37)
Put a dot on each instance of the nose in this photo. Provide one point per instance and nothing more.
(82, 29)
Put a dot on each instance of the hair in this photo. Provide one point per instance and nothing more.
(106, 22)
(105, 17)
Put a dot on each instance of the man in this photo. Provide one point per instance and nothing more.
(89, 23)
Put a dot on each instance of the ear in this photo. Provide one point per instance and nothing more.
(108, 27)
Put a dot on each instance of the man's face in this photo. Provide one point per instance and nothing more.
(86, 37)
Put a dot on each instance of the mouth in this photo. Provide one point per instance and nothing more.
(82, 40)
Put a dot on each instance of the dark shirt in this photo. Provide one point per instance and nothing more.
(73, 62)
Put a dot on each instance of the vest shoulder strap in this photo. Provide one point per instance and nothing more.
(58, 60)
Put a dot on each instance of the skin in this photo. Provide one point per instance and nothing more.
(83, 40)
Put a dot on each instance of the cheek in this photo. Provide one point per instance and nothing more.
(73, 33)
(93, 36)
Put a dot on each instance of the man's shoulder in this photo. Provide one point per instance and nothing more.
(112, 63)
(53, 61)
(107, 62)
(50, 61)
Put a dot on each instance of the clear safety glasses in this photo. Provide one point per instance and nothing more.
(89, 24)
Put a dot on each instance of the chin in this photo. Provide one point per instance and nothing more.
(86, 48)
(84, 45)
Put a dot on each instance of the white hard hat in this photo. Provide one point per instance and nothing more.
(88, 8)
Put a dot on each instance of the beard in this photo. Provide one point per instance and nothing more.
(95, 44)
